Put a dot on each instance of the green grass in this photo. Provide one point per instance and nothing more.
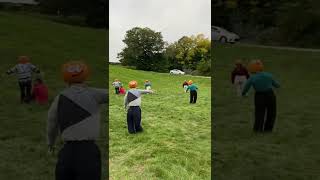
(23, 149)
(176, 143)
(291, 152)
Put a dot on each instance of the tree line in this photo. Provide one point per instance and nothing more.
(279, 22)
(146, 50)
(94, 11)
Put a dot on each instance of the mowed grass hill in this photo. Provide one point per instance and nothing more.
(23, 146)
(292, 150)
(176, 142)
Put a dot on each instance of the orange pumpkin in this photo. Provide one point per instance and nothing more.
(255, 66)
(133, 84)
(75, 72)
(23, 59)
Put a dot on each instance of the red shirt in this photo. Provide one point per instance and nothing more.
(40, 93)
(122, 91)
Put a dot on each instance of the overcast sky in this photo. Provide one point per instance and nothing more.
(174, 18)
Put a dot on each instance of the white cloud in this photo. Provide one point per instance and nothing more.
(174, 18)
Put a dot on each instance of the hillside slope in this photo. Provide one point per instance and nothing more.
(23, 149)
(292, 150)
(176, 143)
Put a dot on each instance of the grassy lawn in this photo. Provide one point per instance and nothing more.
(23, 148)
(176, 143)
(292, 151)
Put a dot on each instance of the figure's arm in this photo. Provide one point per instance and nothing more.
(34, 68)
(52, 123)
(12, 70)
(101, 95)
(247, 74)
(246, 87)
(146, 91)
(125, 101)
(275, 83)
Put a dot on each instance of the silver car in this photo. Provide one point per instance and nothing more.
(176, 71)
(223, 36)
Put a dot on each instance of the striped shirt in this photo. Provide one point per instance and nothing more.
(23, 71)
(116, 84)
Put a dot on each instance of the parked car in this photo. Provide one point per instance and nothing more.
(223, 36)
(176, 71)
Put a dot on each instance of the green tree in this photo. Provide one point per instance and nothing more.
(188, 52)
(185, 48)
(144, 50)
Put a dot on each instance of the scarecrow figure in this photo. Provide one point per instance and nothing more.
(132, 103)
(185, 85)
(264, 99)
(117, 84)
(239, 77)
(24, 70)
(147, 85)
(193, 92)
(75, 115)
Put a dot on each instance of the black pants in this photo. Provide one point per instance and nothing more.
(25, 91)
(117, 89)
(265, 111)
(193, 97)
(79, 160)
(134, 119)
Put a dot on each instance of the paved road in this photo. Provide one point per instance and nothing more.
(280, 48)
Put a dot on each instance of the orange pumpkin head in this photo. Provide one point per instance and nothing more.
(75, 72)
(23, 59)
(255, 66)
(133, 84)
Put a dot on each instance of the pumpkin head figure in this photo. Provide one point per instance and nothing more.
(133, 84)
(255, 66)
(23, 59)
(75, 72)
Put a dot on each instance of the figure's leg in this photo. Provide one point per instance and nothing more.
(271, 113)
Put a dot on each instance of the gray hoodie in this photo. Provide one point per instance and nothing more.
(75, 114)
(133, 97)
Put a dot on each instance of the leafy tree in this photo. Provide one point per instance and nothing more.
(185, 49)
(144, 50)
(188, 52)
(204, 67)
